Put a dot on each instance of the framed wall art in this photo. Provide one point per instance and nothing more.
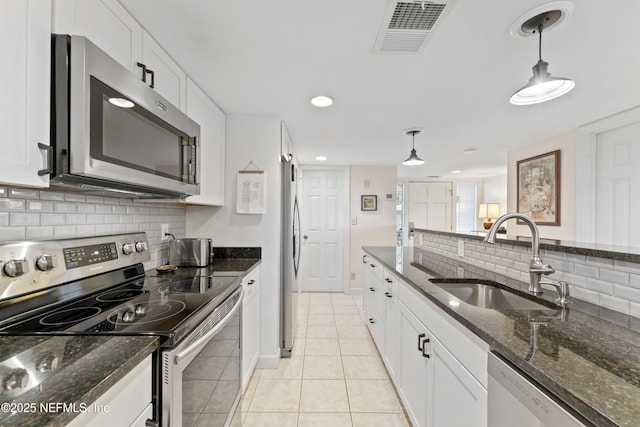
(369, 203)
(539, 188)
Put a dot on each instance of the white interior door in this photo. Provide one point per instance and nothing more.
(322, 209)
(617, 186)
(430, 205)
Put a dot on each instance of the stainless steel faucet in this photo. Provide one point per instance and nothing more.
(536, 267)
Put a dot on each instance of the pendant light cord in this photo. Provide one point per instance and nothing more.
(540, 42)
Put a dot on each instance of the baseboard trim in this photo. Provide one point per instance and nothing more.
(268, 361)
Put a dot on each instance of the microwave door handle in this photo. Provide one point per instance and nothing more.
(189, 156)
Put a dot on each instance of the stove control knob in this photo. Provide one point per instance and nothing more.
(141, 309)
(128, 316)
(48, 362)
(141, 246)
(128, 248)
(44, 262)
(18, 378)
(16, 267)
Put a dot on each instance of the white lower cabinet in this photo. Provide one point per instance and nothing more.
(373, 302)
(250, 325)
(127, 403)
(438, 366)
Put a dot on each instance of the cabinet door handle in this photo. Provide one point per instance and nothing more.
(364, 260)
(424, 348)
(372, 289)
(251, 282)
(371, 320)
(420, 341)
(144, 71)
(153, 78)
(388, 294)
(49, 167)
(373, 265)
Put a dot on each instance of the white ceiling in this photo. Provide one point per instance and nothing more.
(272, 56)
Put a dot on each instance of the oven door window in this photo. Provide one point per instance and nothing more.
(211, 382)
(125, 134)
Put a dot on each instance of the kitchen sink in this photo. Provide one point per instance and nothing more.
(485, 295)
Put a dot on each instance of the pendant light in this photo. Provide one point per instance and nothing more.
(542, 86)
(413, 159)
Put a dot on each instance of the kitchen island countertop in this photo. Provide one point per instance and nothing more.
(588, 356)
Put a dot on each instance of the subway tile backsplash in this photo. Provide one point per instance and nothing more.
(29, 214)
(609, 283)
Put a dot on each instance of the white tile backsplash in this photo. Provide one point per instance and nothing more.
(602, 281)
(28, 214)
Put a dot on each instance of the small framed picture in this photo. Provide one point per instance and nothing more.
(539, 188)
(369, 203)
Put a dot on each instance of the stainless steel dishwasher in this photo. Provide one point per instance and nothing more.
(515, 401)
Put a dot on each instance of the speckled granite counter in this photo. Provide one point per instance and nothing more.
(588, 356)
(87, 367)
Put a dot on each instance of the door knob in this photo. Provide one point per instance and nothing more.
(305, 237)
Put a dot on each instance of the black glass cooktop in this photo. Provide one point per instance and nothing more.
(167, 305)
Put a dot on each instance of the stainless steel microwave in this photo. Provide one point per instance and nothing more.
(111, 133)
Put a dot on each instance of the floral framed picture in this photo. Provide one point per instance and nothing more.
(539, 188)
(369, 203)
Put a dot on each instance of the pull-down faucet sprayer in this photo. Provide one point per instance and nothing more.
(536, 267)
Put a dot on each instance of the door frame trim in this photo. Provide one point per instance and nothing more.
(346, 171)
(586, 169)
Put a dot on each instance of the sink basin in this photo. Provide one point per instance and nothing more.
(487, 296)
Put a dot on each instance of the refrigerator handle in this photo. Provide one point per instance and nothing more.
(296, 244)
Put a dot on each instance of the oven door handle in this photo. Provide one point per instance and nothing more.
(206, 337)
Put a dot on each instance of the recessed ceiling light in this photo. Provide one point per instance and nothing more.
(321, 158)
(322, 101)
(456, 171)
(121, 102)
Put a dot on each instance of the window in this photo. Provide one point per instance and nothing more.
(466, 215)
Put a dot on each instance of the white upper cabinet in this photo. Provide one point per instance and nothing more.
(163, 73)
(106, 23)
(25, 40)
(212, 146)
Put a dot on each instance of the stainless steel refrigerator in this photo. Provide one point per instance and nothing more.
(290, 256)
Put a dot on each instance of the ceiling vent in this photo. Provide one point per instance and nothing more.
(408, 25)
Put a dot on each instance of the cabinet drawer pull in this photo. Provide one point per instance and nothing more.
(251, 282)
(153, 78)
(420, 341)
(144, 71)
(372, 289)
(364, 261)
(371, 320)
(424, 348)
(386, 279)
(373, 265)
(388, 294)
(49, 168)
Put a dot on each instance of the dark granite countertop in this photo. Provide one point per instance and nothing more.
(88, 366)
(588, 356)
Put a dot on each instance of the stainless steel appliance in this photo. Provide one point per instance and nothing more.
(193, 252)
(113, 134)
(290, 257)
(98, 285)
(516, 401)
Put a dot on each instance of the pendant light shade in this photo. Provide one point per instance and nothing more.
(413, 159)
(542, 86)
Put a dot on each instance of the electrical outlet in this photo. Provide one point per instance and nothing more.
(164, 231)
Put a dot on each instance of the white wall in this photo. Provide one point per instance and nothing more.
(373, 228)
(257, 138)
(566, 143)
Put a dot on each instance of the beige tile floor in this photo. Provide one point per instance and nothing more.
(335, 377)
